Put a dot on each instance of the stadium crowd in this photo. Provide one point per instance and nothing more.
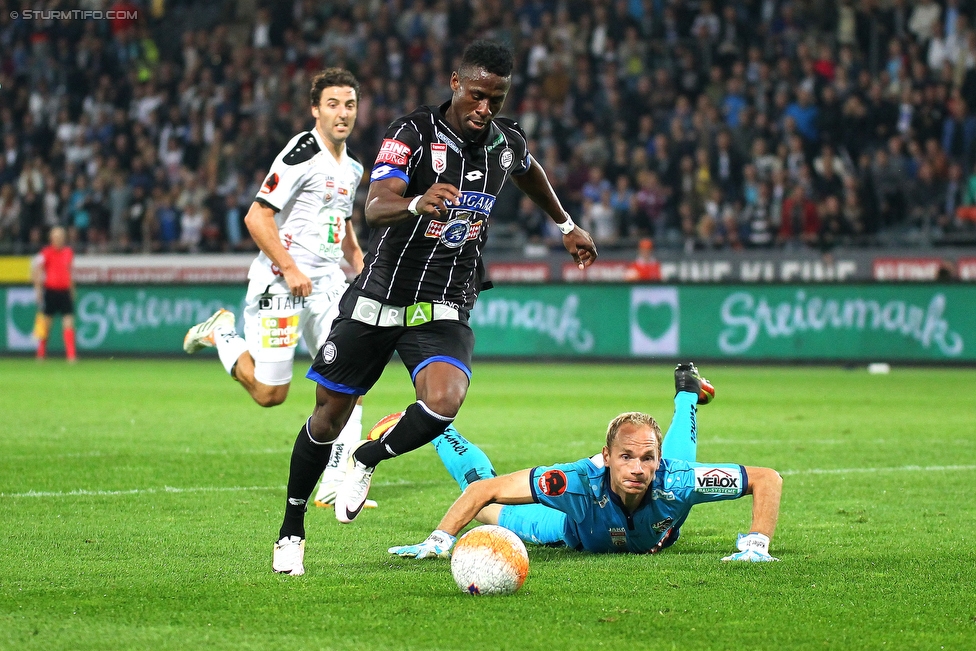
(703, 124)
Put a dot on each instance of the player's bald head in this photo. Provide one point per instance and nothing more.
(637, 419)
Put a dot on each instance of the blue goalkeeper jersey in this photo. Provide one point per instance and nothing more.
(596, 520)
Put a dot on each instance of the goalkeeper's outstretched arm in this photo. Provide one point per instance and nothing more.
(507, 489)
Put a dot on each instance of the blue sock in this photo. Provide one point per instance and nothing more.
(463, 459)
(681, 441)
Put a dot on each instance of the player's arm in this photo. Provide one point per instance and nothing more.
(261, 225)
(535, 183)
(351, 250)
(386, 205)
(766, 487)
(514, 488)
(37, 277)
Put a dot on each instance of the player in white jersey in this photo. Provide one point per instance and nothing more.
(299, 220)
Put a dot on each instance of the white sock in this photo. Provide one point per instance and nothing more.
(230, 346)
(336, 468)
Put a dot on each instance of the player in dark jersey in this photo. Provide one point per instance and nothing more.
(432, 190)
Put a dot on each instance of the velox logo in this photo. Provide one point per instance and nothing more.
(438, 157)
(718, 481)
(393, 152)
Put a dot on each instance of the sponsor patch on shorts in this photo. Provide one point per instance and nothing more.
(718, 481)
(279, 331)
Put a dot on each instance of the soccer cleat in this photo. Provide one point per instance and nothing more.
(330, 503)
(687, 378)
(384, 425)
(289, 556)
(351, 495)
(201, 335)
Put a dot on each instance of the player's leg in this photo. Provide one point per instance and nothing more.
(323, 309)
(350, 362)
(47, 319)
(438, 356)
(691, 389)
(464, 460)
(335, 470)
(68, 329)
(310, 454)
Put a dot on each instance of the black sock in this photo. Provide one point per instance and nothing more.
(308, 460)
(416, 428)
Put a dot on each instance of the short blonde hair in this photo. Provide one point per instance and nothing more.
(634, 418)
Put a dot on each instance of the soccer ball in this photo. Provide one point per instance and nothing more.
(489, 560)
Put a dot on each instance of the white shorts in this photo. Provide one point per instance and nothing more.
(272, 333)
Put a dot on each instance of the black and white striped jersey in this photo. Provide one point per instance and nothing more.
(438, 259)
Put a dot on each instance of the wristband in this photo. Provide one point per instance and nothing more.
(412, 208)
(567, 226)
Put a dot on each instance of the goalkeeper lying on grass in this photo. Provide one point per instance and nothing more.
(627, 499)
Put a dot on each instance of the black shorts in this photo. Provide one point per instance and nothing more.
(355, 354)
(58, 301)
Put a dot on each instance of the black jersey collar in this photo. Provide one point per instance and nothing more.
(491, 132)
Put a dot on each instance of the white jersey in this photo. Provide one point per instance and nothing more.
(312, 195)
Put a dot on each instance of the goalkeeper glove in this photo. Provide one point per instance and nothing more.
(437, 545)
(753, 548)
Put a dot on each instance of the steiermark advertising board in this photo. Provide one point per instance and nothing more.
(775, 322)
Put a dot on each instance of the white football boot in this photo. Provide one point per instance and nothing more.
(289, 556)
(333, 476)
(351, 495)
(201, 335)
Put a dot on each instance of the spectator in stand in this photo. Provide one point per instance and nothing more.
(758, 220)
(799, 223)
(645, 267)
(156, 103)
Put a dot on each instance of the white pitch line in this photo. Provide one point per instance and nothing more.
(401, 483)
(850, 471)
(197, 489)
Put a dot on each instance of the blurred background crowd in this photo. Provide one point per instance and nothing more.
(699, 124)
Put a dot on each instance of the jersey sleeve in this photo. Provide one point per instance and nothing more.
(399, 153)
(564, 487)
(284, 180)
(520, 146)
(716, 482)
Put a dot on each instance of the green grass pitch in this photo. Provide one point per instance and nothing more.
(139, 501)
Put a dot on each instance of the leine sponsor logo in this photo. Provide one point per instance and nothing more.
(747, 318)
(393, 152)
(559, 322)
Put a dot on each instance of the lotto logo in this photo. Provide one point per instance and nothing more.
(393, 152)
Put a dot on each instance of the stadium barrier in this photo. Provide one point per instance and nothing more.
(930, 322)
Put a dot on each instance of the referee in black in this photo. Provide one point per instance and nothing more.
(432, 189)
